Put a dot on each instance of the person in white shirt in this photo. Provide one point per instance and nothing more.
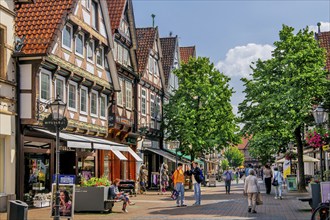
(278, 188)
(252, 188)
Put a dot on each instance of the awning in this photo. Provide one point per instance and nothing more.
(306, 159)
(186, 157)
(79, 141)
(163, 153)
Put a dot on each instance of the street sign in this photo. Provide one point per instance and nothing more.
(51, 124)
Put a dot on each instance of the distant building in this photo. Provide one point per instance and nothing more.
(186, 53)
(244, 148)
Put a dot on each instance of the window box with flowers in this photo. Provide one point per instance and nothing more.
(92, 194)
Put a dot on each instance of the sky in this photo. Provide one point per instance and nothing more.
(231, 33)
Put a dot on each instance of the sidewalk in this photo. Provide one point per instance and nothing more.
(215, 205)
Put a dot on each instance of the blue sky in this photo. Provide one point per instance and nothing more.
(231, 33)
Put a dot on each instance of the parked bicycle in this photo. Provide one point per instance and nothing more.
(321, 212)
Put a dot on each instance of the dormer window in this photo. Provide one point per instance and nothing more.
(67, 37)
(124, 28)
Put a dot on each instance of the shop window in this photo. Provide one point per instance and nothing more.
(86, 166)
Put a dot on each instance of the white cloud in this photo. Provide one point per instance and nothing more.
(238, 59)
(325, 26)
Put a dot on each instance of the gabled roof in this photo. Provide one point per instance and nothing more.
(145, 39)
(168, 45)
(39, 22)
(324, 39)
(186, 53)
(244, 144)
(116, 11)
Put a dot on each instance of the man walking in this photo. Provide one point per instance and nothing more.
(178, 179)
(197, 178)
(228, 178)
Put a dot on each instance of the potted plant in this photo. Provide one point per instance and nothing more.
(91, 194)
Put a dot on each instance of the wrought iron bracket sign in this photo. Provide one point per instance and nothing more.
(51, 124)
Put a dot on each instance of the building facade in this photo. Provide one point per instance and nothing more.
(65, 52)
(150, 99)
(8, 83)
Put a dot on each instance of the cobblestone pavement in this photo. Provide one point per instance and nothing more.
(215, 205)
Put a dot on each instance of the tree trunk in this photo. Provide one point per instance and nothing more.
(192, 158)
(301, 184)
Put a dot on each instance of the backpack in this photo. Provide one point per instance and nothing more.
(247, 170)
(199, 177)
(228, 176)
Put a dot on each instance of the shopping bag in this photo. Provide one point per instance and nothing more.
(174, 194)
(259, 199)
(275, 182)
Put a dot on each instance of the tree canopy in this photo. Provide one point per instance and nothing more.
(234, 156)
(282, 91)
(199, 114)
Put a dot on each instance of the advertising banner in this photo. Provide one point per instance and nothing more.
(66, 200)
(286, 168)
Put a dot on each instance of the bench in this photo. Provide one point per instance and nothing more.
(109, 203)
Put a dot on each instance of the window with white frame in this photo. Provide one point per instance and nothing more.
(45, 86)
(67, 37)
(152, 105)
(103, 105)
(158, 108)
(88, 4)
(83, 100)
(72, 96)
(80, 44)
(151, 65)
(115, 46)
(94, 97)
(100, 57)
(95, 16)
(120, 94)
(126, 58)
(90, 51)
(156, 69)
(60, 87)
(128, 94)
(120, 53)
(143, 102)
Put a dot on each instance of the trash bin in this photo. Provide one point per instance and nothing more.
(17, 210)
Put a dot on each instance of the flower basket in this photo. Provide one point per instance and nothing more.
(317, 137)
(94, 181)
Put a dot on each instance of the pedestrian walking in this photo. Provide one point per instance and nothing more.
(197, 177)
(277, 183)
(228, 176)
(178, 179)
(237, 175)
(252, 188)
(268, 174)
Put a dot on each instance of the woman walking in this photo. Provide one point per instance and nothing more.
(278, 187)
(268, 178)
(252, 188)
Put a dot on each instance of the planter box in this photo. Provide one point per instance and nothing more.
(90, 199)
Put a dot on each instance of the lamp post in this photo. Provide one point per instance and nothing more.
(321, 117)
(58, 108)
(290, 145)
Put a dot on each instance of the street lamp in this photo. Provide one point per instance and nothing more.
(320, 116)
(58, 108)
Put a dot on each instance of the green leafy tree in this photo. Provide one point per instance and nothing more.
(282, 91)
(234, 156)
(199, 114)
(224, 164)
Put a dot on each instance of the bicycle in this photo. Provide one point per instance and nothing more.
(321, 212)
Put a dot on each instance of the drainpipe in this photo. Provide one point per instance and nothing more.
(19, 149)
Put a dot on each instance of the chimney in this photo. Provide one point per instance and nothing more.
(319, 27)
(171, 33)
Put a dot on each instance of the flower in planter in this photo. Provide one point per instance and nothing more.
(94, 181)
(317, 137)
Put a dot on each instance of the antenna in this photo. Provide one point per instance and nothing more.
(153, 20)
(171, 33)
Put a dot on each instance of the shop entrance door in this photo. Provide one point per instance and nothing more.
(68, 163)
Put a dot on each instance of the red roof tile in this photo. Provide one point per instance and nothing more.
(168, 50)
(324, 39)
(244, 143)
(186, 53)
(145, 39)
(38, 22)
(116, 11)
